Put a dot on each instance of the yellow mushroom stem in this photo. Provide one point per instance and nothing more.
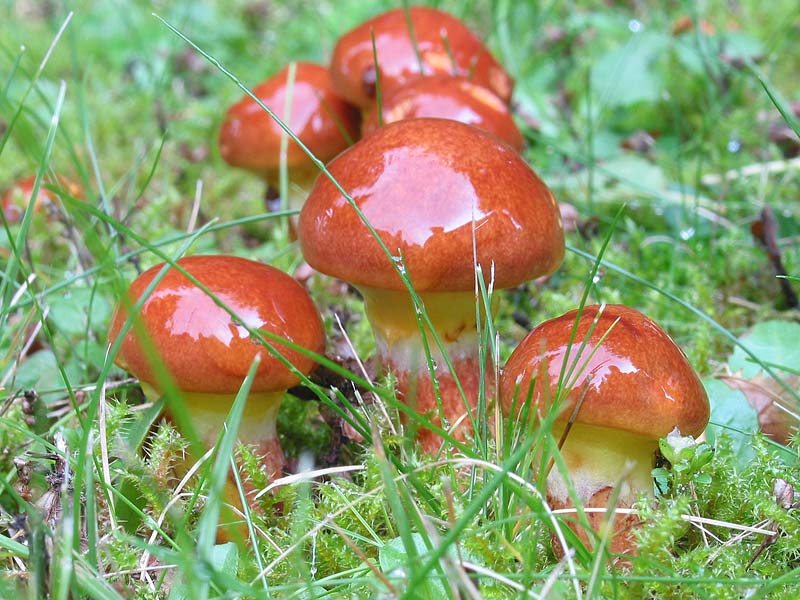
(598, 460)
(207, 413)
(399, 342)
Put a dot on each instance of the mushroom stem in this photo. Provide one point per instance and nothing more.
(256, 430)
(400, 347)
(596, 458)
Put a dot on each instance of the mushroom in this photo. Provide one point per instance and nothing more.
(207, 353)
(250, 139)
(631, 385)
(445, 97)
(17, 196)
(434, 190)
(436, 43)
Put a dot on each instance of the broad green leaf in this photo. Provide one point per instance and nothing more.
(74, 313)
(774, 342)
(394, 559)
(731, 415)
(628, 74)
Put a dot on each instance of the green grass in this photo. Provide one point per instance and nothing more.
(110, 97)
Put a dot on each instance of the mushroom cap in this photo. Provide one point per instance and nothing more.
(447, 97)
(200, 345)
(446, 46)
(16, 197)
(251, 139)
(426, 186)
(637, 379)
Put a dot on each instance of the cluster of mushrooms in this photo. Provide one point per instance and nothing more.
(435, 198)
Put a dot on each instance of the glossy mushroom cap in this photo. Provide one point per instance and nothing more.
(445, 46)
(637, 380)
(250, 139)
(453, 98)
(426, 186)
(200, 345)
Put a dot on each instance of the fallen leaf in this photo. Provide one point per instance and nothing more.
(778, 410)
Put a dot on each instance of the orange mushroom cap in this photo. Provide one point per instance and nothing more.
(445, 46)
(326, 124)
(198, 342)
(426, 186)
(453, 98)
(636, 379)
(17, 196)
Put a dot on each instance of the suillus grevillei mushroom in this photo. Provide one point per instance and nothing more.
(446, 97)
(250, 139)
(207, 352)
(443, 197)
(435, 43)
(634, 386)
(16, 197)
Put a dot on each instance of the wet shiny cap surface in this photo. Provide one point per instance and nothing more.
(444, 97)
(444, 46)
(251, 139)
(426, 186)
(201, 345)
(635, 378)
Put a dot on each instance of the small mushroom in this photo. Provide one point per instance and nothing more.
(444, 97)
(207, 353)
(631, 385)
(436, 191)
(17, 196)
(436, 43)
(250, 139)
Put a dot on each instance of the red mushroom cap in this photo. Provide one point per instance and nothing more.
(17, 196)
(637, 379)
(446, 46)
(201, 346)
(453, 98)
(426, 186)
(251, 139)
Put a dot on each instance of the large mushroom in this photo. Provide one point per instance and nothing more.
(207, 353)
(443, 97)
(444, 197)
(631, 385)
(435, 43)
(250, 139)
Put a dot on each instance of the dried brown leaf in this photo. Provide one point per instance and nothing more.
(777, 409)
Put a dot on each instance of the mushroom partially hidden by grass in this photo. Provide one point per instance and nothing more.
(436, 43)
(619, 384)
(183, 334)
(18, 195)
(250, 139)
(443, 197)
(454, 98)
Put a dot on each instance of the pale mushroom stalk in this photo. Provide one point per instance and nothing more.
(396, 323)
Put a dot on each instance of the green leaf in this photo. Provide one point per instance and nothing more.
(74, 313)
(774, 342)
(394, 559)
(731, 415)
(628, 75)
(40, 371)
